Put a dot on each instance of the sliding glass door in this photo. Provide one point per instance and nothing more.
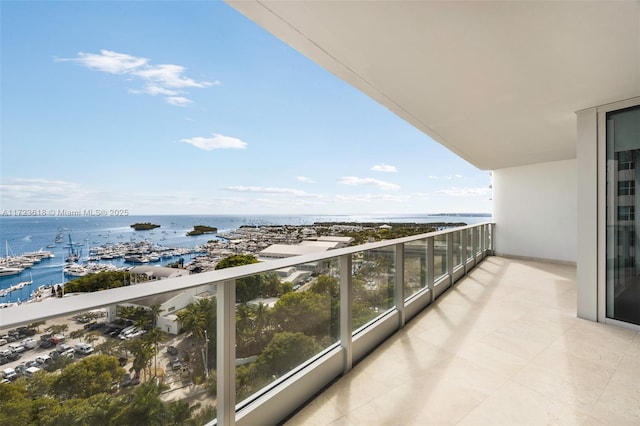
(622, 205)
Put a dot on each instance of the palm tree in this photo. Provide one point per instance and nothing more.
(77, 334)
(57, 328)
(91, 337)
(155, 333)
(142, 352)
(263, 322)
(143, 405)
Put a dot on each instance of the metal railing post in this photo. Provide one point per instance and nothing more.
(346, 321)
(430, 268)
(449, 237)
(474, 243)
(225, 365)
(399, 293)
(463, 243)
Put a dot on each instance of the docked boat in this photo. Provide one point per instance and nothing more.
(8, 270)
(75, 270)
(136, 259)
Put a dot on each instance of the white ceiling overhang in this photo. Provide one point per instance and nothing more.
(498, 83)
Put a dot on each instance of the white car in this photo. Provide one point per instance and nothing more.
(43, 359)
(16, 347)
(84, 348)
(135, 334)
(29, 343)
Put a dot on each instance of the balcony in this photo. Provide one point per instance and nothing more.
(501, 345)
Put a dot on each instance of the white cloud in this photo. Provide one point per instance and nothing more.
(164, 79)
(465, 192)
(153, 90)
(371, 198)
(449, 177)
(168, 75)
(305, 179)
(384, 168)
(39, 189)
(271, 190)
(108, 61)
(216, 142)
(178, 100)
(356, 181)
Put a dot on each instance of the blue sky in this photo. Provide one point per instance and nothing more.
(190, 108)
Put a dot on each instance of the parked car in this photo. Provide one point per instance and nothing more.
(16, 347)
(46, 344)
(26, 331)
(58, 338)
(3, 360)
(31, 371)
(29, 343)
(3, 341)
(127, 331)
(175, 363)
(171, 350)
(5, 352)
(65, 349)
(135, 334)
(43, 359)
(14, 356)
(97, 326)
(31, 363)
(9, 374)
(84, 349)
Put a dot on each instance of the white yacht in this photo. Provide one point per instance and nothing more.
(8, 270)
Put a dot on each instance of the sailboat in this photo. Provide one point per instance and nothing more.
(8, 270)
(74, 256)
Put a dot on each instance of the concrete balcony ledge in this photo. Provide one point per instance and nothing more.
(503, 346)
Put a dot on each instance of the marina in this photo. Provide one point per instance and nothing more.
(109, 243)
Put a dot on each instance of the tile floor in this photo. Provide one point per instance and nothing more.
(502, 347)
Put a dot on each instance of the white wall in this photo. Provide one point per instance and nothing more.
(535, 210)
(587, 273)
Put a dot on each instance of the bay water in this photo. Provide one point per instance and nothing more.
(20, 234)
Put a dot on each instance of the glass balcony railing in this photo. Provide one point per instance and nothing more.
(236, 346)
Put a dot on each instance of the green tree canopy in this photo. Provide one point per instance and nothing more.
(305, 312)
(236, 260)
(286, 351)
(96, 282)
(88, 376)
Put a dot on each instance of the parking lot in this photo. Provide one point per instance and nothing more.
(41, 348)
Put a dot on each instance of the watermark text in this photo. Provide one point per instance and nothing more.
(64, 212)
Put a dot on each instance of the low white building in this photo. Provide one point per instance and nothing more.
(343, 241)
(281, 251)
(158, 272)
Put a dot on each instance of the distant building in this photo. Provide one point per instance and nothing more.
(344, 241)
(282, 251)
(159, 272)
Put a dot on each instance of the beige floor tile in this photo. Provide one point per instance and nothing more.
(492, 358)
(562, 388)
(515, 404)
(437, 401)
(503, 346)
(619, 404)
